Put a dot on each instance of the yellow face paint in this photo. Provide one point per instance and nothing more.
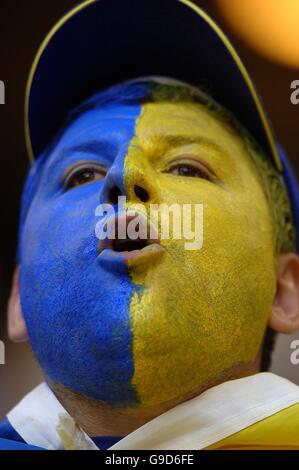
(199, 312)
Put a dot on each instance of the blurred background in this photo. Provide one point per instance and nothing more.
(266, 35)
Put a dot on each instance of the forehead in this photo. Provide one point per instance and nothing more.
(115, 122)
(108, 128)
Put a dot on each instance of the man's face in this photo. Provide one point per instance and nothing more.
(146, 331)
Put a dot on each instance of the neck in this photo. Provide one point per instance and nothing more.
(97, 418)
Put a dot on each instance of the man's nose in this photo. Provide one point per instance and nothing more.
(131, 181)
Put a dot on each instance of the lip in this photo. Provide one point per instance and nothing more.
(152, 251)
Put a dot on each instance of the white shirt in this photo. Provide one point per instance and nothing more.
(217, 413)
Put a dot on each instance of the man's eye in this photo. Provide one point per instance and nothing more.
(83, 175)
(191, 170)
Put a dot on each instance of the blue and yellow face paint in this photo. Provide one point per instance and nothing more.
(148, 333)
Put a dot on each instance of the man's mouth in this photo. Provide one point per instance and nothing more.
(129, 245)
(136, 249)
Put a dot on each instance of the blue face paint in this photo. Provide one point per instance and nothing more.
(77, 313)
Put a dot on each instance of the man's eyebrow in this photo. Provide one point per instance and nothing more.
(173, 141)
(104, 148)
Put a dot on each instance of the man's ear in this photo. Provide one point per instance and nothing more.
(285, 309)
(16, 325)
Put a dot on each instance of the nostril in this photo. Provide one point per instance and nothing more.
(141, 193)
(114, 194)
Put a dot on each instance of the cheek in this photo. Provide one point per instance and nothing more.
(237, 261)
(58, 247)
(59, 230)
(244, 286)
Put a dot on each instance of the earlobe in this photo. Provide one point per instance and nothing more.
(16, 325)
(285, 309)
